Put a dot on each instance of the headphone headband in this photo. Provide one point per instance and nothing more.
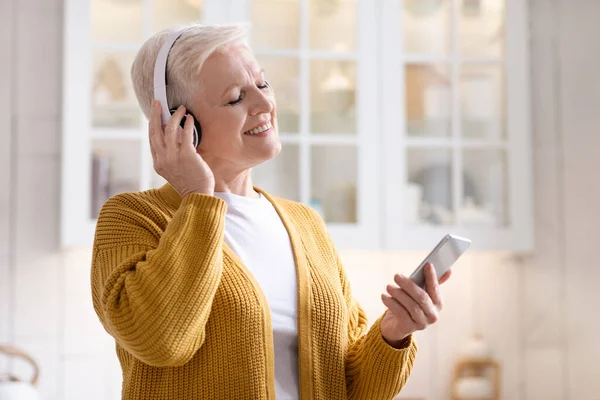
(160, 73)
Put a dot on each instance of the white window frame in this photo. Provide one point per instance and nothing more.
(518, 236)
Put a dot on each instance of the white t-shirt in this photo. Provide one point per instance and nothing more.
(255, 232)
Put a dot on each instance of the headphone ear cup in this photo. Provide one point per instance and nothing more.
(197, 131)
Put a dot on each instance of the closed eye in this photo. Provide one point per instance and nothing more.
(262, 86)
(234, 102)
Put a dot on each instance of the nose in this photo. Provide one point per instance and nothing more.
(263, 103)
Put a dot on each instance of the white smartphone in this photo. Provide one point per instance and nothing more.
(443, 256)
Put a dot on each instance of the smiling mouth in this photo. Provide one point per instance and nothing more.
(260, 129)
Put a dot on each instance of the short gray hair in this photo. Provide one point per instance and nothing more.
(185, 61)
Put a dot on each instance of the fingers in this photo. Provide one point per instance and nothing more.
(432, 286)
(414, 310)
(420, 296)
(398, 310)
(173, 127)
(446, 276)
(155, 132)
(186, 139)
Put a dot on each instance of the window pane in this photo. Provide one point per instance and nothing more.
(113, 100)
(284, 77)
(332, 94)
(426, 26)
(333, 182)
(482, 101)
(485, 191)
(428, 194)
(481, 28)
(115, 169)
(281, 175)
(276, 24)
(117, 21)
(428, 97)
(333, 25)
(173, 13)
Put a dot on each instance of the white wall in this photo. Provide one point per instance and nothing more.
(536, 312)
(30, 273)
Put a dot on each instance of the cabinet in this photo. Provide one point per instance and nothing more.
(380, 105)
(456, 122)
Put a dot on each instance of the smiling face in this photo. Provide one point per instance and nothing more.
(236, 110)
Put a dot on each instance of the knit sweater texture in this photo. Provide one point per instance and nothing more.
(191, 322)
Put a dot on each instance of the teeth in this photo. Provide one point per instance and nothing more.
(260, 129)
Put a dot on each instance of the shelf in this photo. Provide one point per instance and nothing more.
(449, 142)
(117, 47)
(320, 139)
(316, 54)
(448, 59)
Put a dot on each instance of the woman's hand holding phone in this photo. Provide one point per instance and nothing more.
(174, 155)
(410, 307)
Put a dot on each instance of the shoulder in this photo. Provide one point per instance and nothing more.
(129, 216)
(145, 203)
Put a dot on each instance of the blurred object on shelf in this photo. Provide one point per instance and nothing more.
(113, 100)
(13, 388)
(109, 85)
(480, 106)
(472, 214)
(428, 100)
(195, 3)
(341, 204)
(471, 8)
(422, 8)
(476, 374)
(476, 349)
(437, 199)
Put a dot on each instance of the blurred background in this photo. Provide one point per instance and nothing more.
(401, 121)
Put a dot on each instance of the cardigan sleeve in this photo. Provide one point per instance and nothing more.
(374, 369)
(153, 290)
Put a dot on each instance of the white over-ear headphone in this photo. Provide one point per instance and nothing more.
(160, 84)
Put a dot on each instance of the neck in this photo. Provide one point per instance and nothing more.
(239, 183)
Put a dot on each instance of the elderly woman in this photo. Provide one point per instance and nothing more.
(214, 289)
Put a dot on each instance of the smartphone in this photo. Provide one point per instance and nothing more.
(443, 256)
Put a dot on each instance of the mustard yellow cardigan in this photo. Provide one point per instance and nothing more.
(191, 322)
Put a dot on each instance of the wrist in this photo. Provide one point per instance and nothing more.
(207, 191)
(402, 343)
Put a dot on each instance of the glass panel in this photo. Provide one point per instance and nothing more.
(117, 21)
(281, 175)
(115, 169)
(481, 28)
(485, 192)
(332, 96)
(276, 24)
(428, 194)
(172, 13)
(428, 100)
(113, 100)
(333, 25)
(284, 77)
(427, 26)
(333, 182)
(482, 101)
